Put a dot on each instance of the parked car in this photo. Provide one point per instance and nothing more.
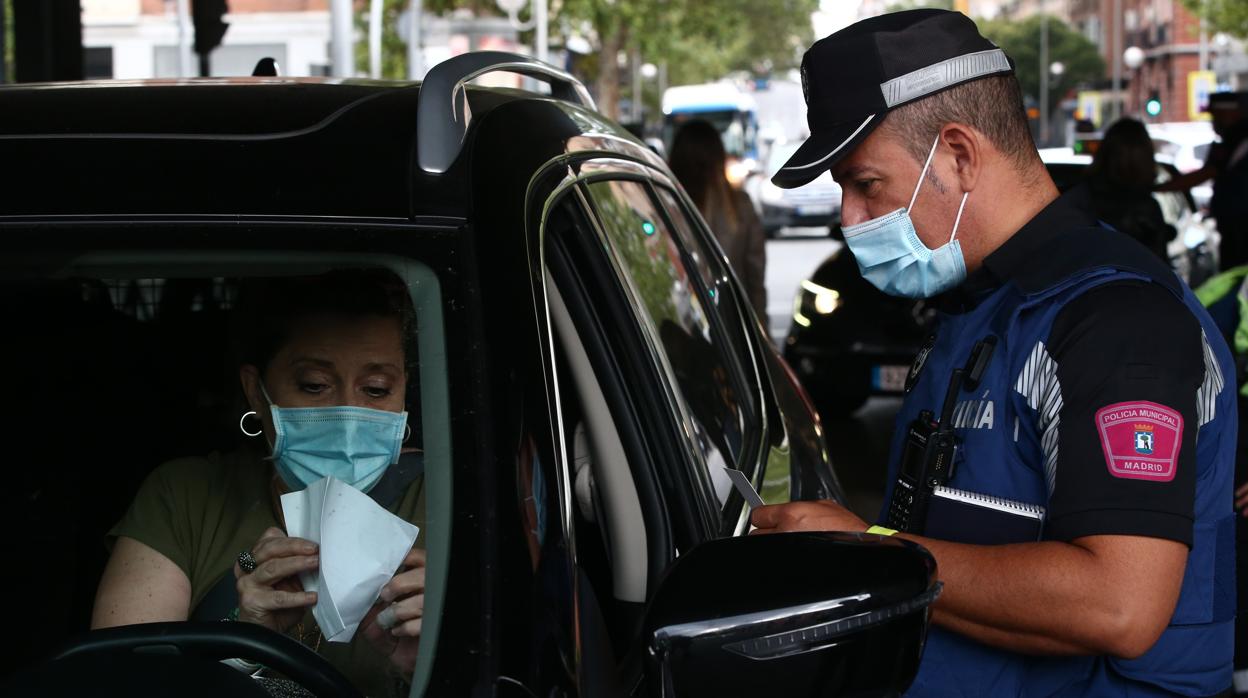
(574, 315)
(848, 341)
(814, 205)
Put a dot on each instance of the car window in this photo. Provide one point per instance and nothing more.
(716, 286)
(139, 355)
(657, 269)
(718, 293)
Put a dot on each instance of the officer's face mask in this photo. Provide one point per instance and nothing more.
(353, 444)
(894, 259)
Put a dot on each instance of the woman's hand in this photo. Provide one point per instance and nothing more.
(271, 595)
(392, 625)
(1241, 499)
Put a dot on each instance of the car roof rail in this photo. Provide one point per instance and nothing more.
(442, 116)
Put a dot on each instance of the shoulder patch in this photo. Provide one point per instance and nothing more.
(1140, 439)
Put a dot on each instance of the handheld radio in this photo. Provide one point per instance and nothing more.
(927, 457)
(926, 462)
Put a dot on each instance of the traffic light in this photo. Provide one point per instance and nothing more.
(208, 17)
(1153, 106)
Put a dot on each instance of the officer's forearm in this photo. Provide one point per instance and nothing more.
(1098, 595)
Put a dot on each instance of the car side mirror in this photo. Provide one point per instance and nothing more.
(792, 614)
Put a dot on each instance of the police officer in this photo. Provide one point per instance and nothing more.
(1091, 386)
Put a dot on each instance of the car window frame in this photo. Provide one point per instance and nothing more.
(682, 526)
(646, 177)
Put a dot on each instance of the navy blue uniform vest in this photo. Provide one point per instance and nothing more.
(1003, 454)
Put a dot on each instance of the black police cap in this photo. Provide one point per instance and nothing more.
(852, 78)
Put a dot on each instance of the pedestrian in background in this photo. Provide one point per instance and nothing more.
(1227, 165)
(698, 160)
(1120, 183)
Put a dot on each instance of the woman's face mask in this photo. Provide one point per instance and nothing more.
(352, 444)
(894, 259)
(336, 408)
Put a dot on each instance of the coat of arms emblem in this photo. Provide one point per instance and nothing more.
(1144, 439)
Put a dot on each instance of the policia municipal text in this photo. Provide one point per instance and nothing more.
(1066, 445)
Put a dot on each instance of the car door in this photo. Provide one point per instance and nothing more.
(643, 294)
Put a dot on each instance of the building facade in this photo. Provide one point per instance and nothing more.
(136, 39)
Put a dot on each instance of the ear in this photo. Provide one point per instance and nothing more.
(969, 148)
(249, 377)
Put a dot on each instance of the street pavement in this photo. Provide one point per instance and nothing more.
(858, 443)
(791, 258)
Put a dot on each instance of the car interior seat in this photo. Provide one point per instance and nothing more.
(80, 419)
(110, 379)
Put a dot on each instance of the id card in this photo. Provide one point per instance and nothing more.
(742, 483)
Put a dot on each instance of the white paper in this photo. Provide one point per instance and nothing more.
(745, 488)
(361, 547)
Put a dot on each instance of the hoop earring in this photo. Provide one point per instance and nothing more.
(243, 428)
(407, 432)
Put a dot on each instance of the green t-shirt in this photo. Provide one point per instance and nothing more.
(201, 512)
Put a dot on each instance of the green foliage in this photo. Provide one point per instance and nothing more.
(6, 10)
(699, 40)
(915, 4)
(393, 48)
(1230, 16)
(1021, 40)
(647, 257)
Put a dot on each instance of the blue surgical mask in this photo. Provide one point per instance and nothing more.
(352, 444)
(894, 259)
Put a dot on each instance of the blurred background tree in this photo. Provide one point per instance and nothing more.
(915, 4)
(6, 8)
(698, 40)
(1230, 16)
(1080, 59)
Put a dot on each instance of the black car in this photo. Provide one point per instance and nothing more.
(849, 341)
(575, 317)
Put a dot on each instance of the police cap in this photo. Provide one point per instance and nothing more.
(853, 78)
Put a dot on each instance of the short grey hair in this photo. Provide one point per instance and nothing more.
(992, 105)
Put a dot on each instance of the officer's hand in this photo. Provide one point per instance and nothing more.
(824, 515)
(1241, 499)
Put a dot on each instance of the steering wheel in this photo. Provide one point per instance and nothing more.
(180, 658)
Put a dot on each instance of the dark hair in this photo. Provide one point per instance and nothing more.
(698, 161)
(993, 106)
(1124, 161)
(269, 309)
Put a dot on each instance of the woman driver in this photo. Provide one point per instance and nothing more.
(341, 339)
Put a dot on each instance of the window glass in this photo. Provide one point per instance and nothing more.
(710, 266)
(664, 284)
(146, 358)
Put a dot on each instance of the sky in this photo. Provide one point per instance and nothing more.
(833, 15)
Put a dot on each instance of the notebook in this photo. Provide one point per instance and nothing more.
(959, 516)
